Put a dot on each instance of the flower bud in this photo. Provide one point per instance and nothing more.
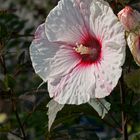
(130, 18)
(133, 41)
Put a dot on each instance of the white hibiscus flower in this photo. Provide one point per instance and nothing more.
(79, 51)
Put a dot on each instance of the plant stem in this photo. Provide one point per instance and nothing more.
(17, 116)
(16, 135)
(21, 35)
(2, 61)
(124, 116)
(20, 124)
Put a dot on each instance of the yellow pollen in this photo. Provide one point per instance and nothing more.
(80, 48)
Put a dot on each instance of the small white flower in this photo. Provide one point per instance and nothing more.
(79, 51)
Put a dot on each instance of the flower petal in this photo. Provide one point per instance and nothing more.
(64, 61)
(76, 87)
(105, 24)
(109, 70)
(42, 52)
(68, 21)
(52, 83)
(133, 41)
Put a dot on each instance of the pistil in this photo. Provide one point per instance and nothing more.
(81, 49)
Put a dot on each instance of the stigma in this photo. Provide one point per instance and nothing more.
(89, 52)
(81, 49)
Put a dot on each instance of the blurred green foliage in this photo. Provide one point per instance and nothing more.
(24, 104)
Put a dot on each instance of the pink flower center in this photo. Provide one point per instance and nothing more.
(89, 50)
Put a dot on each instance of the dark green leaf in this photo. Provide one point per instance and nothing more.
(74, 132)
(133, 80)
(9, 82)
(135, 136)
(3, 31)
(21, 58)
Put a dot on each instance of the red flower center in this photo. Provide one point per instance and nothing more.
(89, 50)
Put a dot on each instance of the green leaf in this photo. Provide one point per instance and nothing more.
(74, 132)
(2, 86)
(9, 82)
(134, 136)
(53, 109)
(21, 58)
(3, 31)
(101, 106)
(132, 80)
(5, 128)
